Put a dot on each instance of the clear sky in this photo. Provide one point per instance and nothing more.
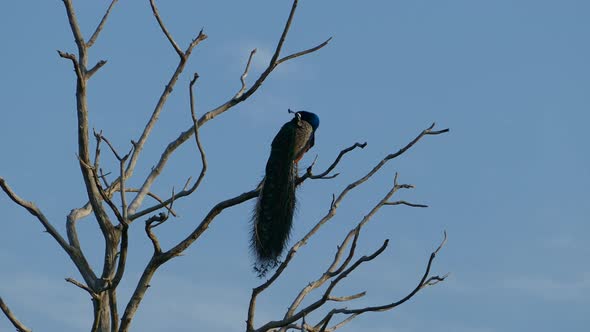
(509, 183)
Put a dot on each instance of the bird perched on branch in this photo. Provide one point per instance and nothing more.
(273, 214)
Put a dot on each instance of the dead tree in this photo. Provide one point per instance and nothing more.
(127, 204)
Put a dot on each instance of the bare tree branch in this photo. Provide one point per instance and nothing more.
(158, 199)
(145, 187)
(77, 255)
(164, 30)
(142, 286)
(82, 114)
(339, 272)
(121, 216)
(88, 174)
(425, 281)
(341, 324)
(317, 304)
(34, 210)
(123, 189)
(143, 283)
(197, 137)
(402, 202)
(159, 218)
(346, 298)
(105, 197)
(82, 286)
(96, 67)
(184, 192)
(71, 219)
(274, 62)
(20, 327)
(100, 25)
(298, 54)
(122, 256)
(77, 69)
(308, 173)
(329, 273)
(245, 74)
(78, 37)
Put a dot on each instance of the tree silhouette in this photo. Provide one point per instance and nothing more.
(116, 206)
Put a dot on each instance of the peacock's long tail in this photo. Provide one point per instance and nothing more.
(273, 215)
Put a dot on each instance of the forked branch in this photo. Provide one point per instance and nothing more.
(336, 271)
(424, 282)
(320, 302)
(324, 174)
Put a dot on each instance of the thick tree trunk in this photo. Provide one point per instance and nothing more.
(102, 313)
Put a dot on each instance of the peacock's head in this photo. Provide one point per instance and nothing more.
(309, 117)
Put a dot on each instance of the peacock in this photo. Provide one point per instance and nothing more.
(273, 214)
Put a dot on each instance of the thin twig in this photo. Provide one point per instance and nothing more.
(100, 136)
(402, 202)
(309, 174)
(197, 136)
(82, 286)
(159, 218)
(97, 155)
(245, 74)
(304, 52)
(164, 30)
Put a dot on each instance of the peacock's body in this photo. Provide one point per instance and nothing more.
(273, 215)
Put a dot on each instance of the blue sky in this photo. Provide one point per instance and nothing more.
(508, 183)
